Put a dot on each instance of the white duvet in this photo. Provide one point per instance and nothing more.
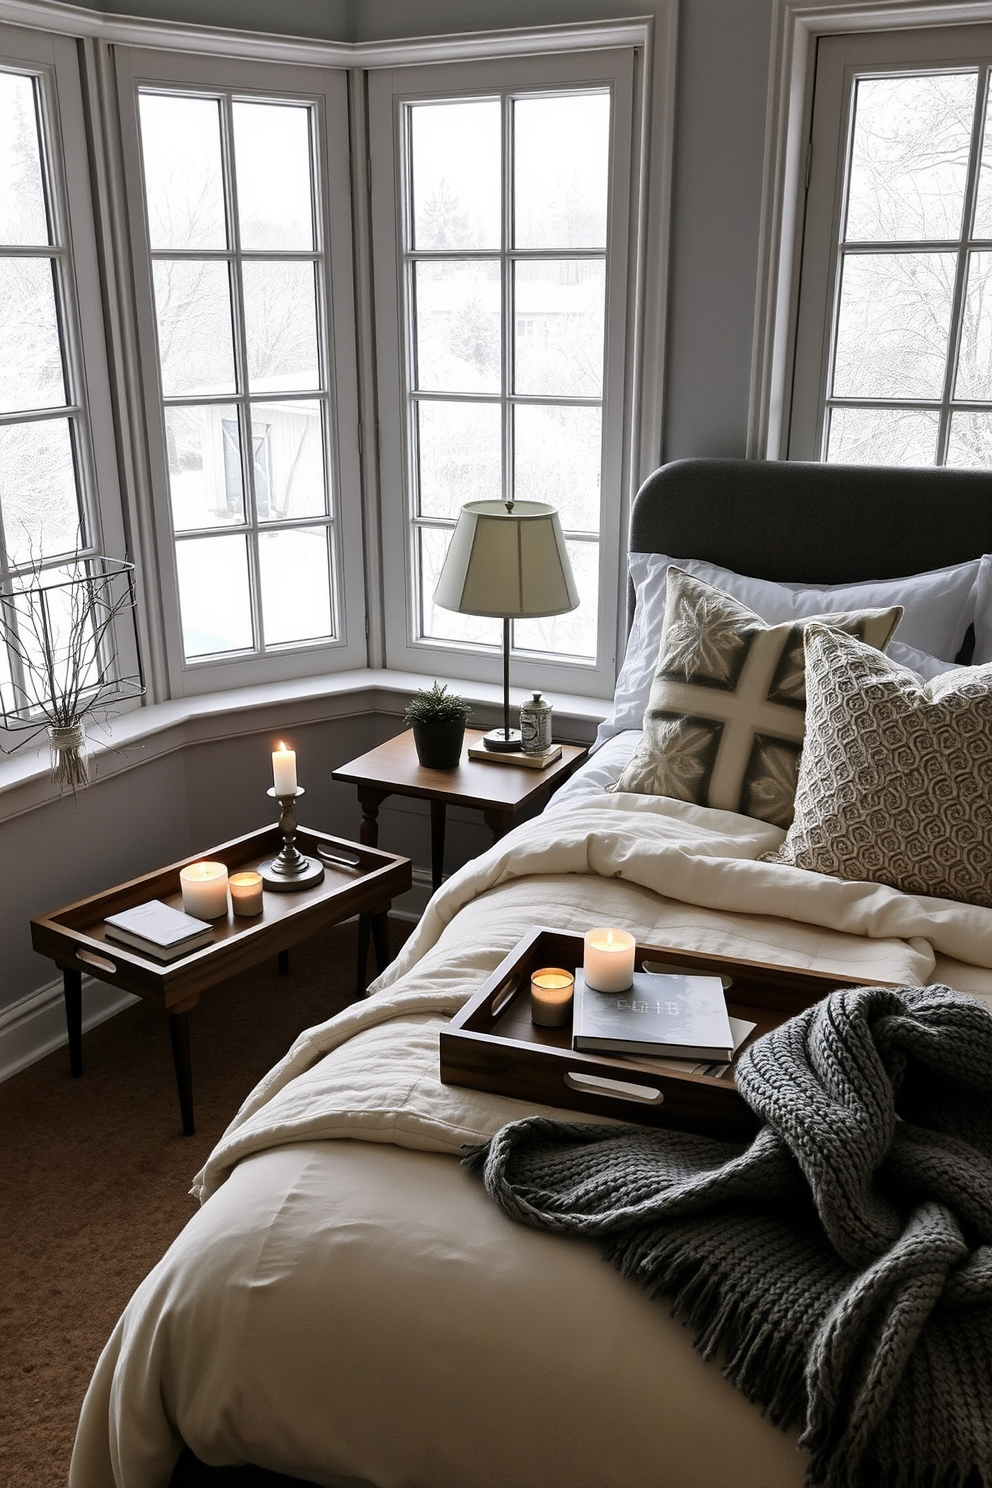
(355, 1311)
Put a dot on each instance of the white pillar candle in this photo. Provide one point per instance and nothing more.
(204, 887)
(551, 996)
(246, 893)
(608, 960)
(284, 770)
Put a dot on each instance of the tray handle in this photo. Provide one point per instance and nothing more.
(101, 963)
(618, 1089)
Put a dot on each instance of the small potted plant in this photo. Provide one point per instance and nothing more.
(438, 720)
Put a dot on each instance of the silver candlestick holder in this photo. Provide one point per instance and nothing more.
(291, 869)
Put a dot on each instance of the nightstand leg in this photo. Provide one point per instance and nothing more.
(361, 976)
(179, 1034)
(437, 843)
(499, 822)
(72, 992)
(380, 939)
(370, 800)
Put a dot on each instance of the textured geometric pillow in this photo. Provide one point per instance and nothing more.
(895, 784)
(724, 723)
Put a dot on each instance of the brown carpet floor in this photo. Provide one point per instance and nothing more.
(95, 1176)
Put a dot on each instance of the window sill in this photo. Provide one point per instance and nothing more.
(135, 738)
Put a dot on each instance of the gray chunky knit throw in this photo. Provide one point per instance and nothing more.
(842, 1261)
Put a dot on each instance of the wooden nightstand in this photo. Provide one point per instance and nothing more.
(499, 791)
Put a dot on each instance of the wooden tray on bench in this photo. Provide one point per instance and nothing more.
(491, 1043)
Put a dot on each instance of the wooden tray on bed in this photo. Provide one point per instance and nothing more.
(491, 1043)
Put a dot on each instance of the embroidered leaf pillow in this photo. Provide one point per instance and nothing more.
(895, 784)
(725, 718)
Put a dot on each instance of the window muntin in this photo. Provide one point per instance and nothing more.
(504, 270)
(239, 279)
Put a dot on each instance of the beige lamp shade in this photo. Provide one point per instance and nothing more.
(507, 559)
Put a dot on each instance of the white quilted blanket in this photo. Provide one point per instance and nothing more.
(688, 876)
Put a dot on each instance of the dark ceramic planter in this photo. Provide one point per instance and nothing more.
(439, 742)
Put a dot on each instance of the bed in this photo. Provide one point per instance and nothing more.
(348, 1308)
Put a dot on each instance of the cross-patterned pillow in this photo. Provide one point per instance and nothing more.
(725, 720)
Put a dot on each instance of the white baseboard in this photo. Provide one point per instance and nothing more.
(35, 1026)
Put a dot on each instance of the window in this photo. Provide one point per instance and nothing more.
(56, 437)
(898, 248)
(500, 212)
(247, 349)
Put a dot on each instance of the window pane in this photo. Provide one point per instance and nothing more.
(558, 455)
(281, 326)
(561, 171)
(38, 490)
(460, 455)
(572, 634)
(983, 206)
(447, 625)
(457, 336)
(184, 180)
(909, 157)
(205, 478)
(970, 441)
(289, 460)
(559, 316)
(23, 219)
(193, 305)
(31, 374)
(456, 153)
(214, 595)
(974, 375)
(892, 330)
(272, 151)
(883, 436)
(296, 585)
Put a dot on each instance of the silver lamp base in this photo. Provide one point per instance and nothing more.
(503, 739)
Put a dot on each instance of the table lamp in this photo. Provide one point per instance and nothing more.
(507, 559)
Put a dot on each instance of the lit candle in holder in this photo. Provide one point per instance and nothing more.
(204, 887)
(284, 770)
(246, 893)
(608, 960)
(551, 996)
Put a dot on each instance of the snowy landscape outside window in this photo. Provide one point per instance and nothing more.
(505, 258)
(907, 370)
(233, 226)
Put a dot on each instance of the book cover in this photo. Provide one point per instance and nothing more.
(158, 924)
(684, 1017)
(159, 952)
(515, 756)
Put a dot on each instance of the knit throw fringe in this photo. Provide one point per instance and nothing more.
(841, 1263)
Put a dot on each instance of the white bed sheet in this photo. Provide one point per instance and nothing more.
(356, 1311)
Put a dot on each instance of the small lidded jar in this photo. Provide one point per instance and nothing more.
(535, 725)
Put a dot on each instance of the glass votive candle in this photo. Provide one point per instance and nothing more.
(608, 960)
(246, 893)
(204, 887)
(551, 996)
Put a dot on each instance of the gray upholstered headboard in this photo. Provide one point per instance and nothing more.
(814, 524)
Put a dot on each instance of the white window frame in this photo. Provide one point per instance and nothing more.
(841, 60)
(326, 89)
(797, 26)
(54, 61)
(389, 91)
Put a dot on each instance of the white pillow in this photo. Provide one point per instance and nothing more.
(939, 606)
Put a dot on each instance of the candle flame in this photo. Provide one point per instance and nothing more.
(280, 747)
(609, 937)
